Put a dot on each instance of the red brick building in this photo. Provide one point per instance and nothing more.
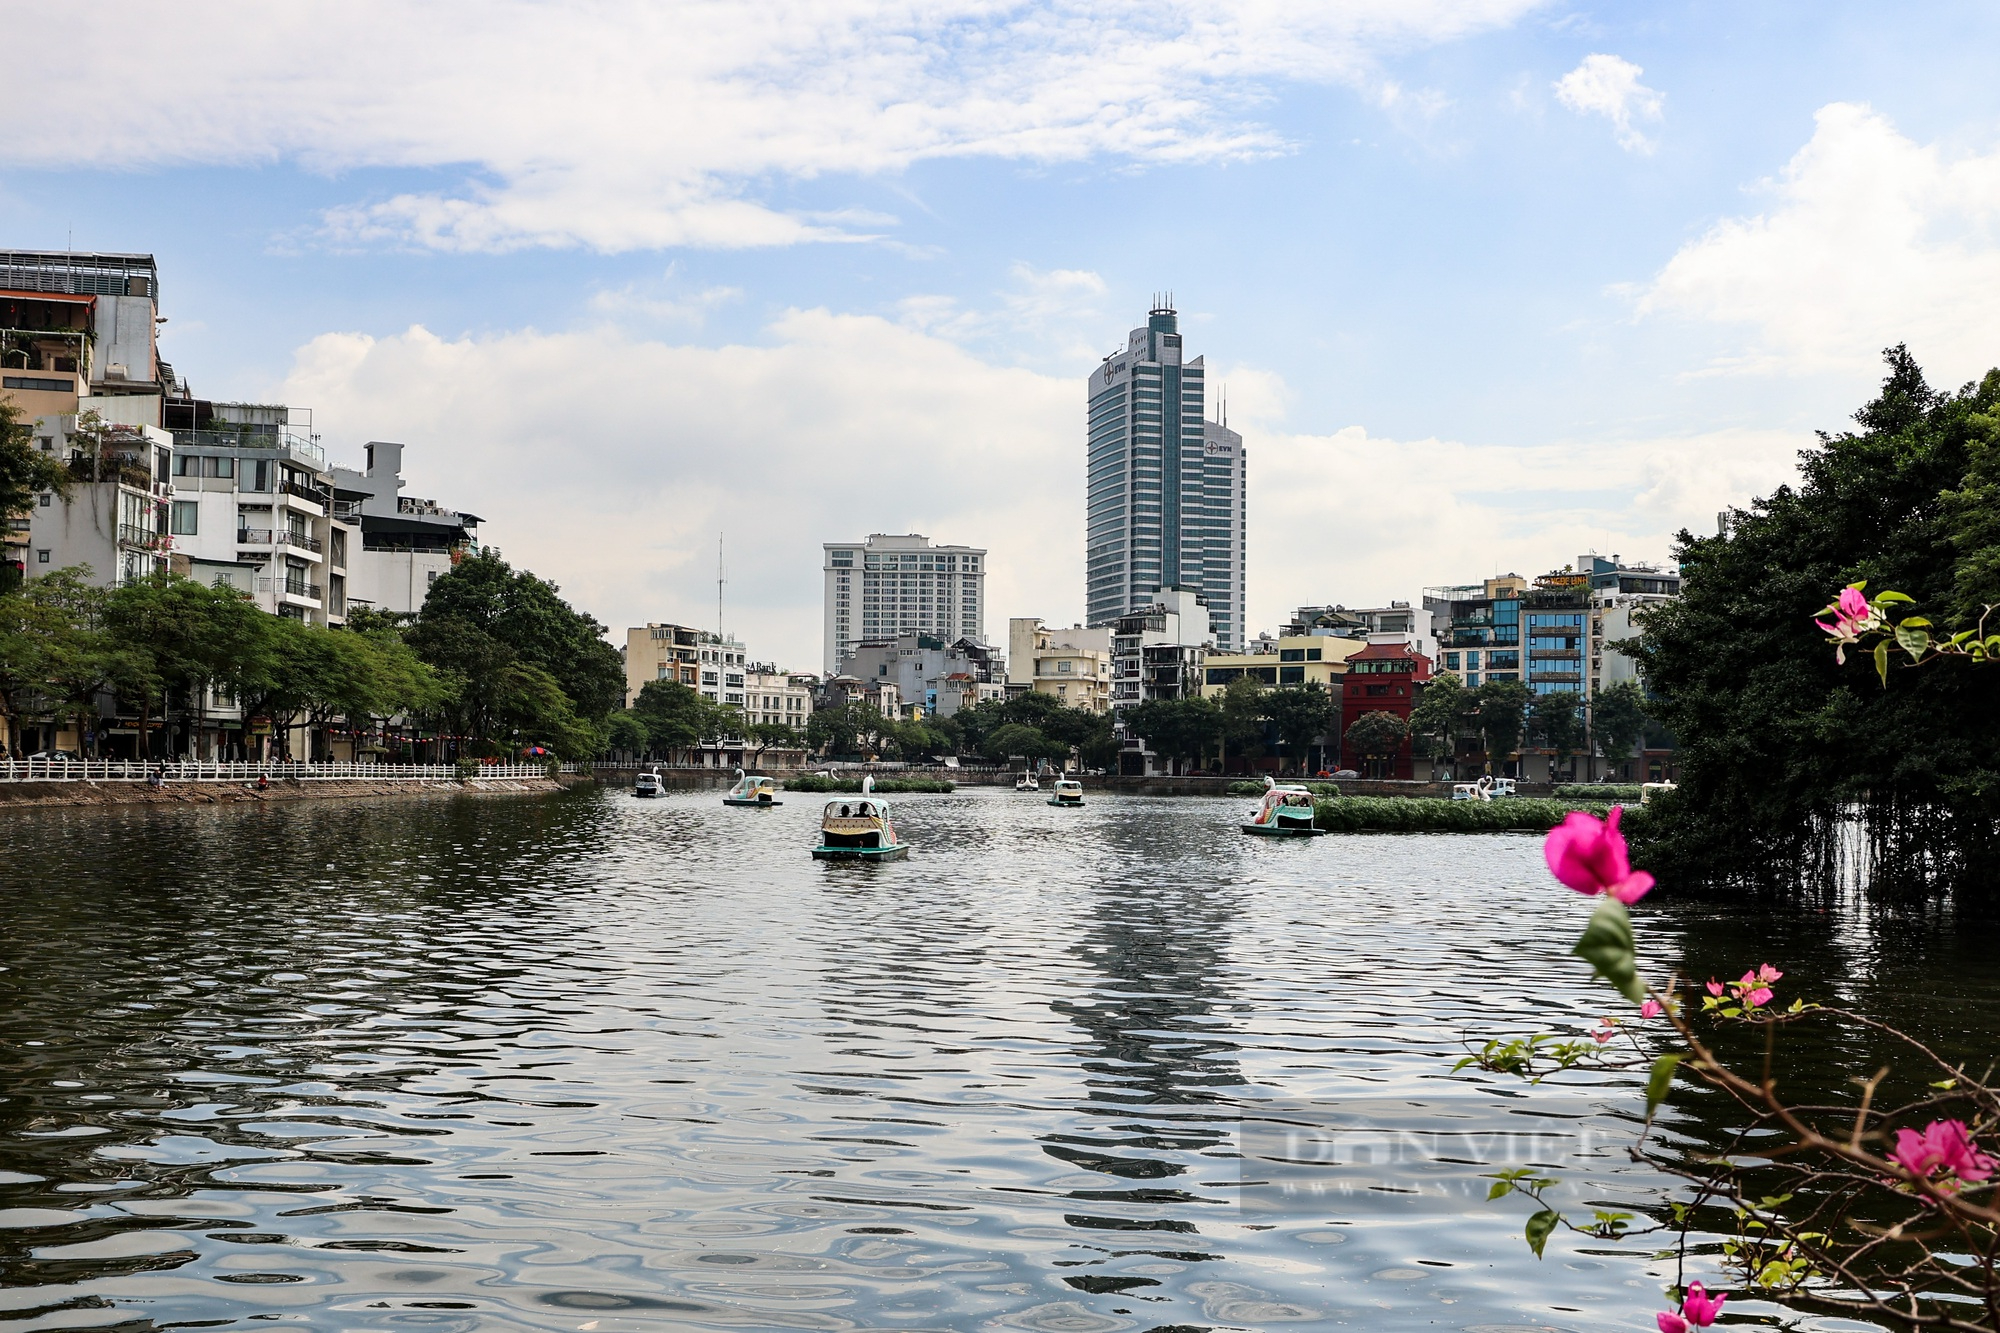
(1381, 678)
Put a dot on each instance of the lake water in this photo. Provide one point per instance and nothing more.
(590, 1062)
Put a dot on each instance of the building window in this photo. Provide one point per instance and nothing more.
(1291, 675)
(47, 497)
(184, 521)
(42, 556)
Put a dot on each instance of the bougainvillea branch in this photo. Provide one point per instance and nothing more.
(1880, 1212)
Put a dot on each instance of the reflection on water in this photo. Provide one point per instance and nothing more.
(597, 1063)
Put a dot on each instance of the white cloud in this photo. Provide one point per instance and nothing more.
(609, 463)
(631, 124)
(1870, 239)
(1604, 85)
(1366, 520)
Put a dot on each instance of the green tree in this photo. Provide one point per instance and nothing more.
(1439, 717)
(1177, 729)
(626, 735)
(1302, 714)
(196, 638)
(676, 717)
(772, 736)
(1241, 717)
(1556, 721)
(1016, 740)
(49, 638)
(1376, 736)
(1503, 715)
(484, 616)
(1618, 716)
(1777, 742)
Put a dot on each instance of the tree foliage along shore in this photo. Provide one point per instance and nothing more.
(495, 659)
(1777, 740)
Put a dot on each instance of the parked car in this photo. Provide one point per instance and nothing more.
(1345, 773)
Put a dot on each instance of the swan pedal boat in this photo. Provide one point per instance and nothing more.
(647, 784)
(858, 828)
(752, 791)
(1068, 793)
(1287, 812)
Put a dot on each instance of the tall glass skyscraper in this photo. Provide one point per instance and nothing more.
(1165, 484)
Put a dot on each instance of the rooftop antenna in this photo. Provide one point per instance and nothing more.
(719, 578)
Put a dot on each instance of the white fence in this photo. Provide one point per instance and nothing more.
(126, 770)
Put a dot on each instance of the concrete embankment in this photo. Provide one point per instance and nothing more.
(233, 793)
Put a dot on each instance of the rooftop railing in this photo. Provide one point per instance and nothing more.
(263, 441)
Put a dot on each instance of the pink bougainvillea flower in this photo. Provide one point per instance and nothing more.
(1651, 1008)
(1761, 995)
(1944, 1145)
(1767, 974)
(1670, 1322)
(1698, 1307)
(1605, 1029)
(1715, 987)
(1588, 855)
(1852, 617)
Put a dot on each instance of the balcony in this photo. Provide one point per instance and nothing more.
(253, 536)
(126, 468)
(131, 535)
(278, 442)
(291, 588)
(319, 495)
(302, 541)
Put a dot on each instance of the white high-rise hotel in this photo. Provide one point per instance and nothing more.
(1165, 485)
(889, 585)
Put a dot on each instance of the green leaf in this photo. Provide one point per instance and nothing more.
(1882, 597)
(1660, 1080)
(1538, 1229)
(1608, 947)
(1914, 621)
(1946, 1083)
(1882, 662)
(1498, 1188)
(1915, 642)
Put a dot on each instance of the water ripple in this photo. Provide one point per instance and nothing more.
(596, 1063)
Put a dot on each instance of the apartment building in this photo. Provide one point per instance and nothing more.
(1385, 677)
(1164, 485)
(1073, 665)
(1551, 632)
(254, 506)
(702, 660)
(79, 360)
(890, 585)
(115, 520)
(1291, 659)
(407, 543)
(1366, 622)
(931, 677)
(774, 697)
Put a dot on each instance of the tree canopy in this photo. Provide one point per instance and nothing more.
(1775, 738)
(519, 663)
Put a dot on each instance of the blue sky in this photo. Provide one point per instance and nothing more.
(1490, 283)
